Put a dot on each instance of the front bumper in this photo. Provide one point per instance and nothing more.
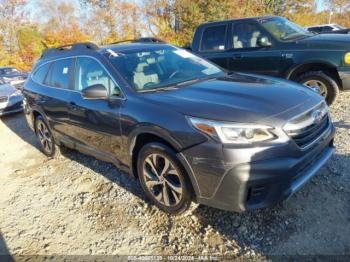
(239, 179)
(344, 74)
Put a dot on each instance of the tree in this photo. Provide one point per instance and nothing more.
(62, 25)
(12, 16)
(30, 46)
(113, 20)
(340, 10)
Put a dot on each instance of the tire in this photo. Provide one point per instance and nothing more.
(46, 140)
(151, 163)
(323, 81)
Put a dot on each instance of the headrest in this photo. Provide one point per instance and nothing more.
(151, 60)
(140, 67)
(256, 33)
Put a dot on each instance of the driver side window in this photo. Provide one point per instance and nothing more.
(246, 35)
(89, 72)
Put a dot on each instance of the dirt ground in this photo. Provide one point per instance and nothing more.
(77, 205)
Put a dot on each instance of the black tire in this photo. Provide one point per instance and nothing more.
(332, 89)
(175, 206)
(46, 138)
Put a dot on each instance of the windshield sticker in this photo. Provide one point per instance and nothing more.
(184, 53)
(114, 54)
(65, 70)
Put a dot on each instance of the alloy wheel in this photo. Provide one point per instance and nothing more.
(45, 137)
(316, 83)
(162, 179)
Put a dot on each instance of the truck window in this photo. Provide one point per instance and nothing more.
(214, 38)
(246, 35)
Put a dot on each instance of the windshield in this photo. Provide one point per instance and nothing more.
(160, 68)
(339, 27)
(284, 30)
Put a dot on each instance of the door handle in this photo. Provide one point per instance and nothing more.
(72, 106)
(237, 56)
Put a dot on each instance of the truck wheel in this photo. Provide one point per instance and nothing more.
(163, 179)
(328, 87)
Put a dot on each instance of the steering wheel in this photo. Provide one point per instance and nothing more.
(174, 74)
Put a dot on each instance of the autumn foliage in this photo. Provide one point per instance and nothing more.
(28, 27)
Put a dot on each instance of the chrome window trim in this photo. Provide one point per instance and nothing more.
(122, 97)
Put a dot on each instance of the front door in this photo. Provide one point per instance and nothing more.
(95, 122)
(214, 43)
(247, 55)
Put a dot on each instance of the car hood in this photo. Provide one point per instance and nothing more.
(6, 90)
(15, 75)
(329, 39)
(240, 98)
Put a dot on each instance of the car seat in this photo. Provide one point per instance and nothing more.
(254, 39)
(143, 75)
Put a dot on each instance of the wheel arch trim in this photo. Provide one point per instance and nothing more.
(295, 67)
(144, 129)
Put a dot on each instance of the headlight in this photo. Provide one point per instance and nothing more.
(232, 133)
(347, 58)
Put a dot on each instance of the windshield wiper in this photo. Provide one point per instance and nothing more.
(294, 36)
(158, 89)
(177, 85)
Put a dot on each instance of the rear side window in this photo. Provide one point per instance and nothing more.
(214, 38)
(40, 74)
(60, 73)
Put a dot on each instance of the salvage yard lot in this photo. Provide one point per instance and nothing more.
(77, 205)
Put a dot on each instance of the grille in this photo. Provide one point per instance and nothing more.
(308, 127)
(3, 99)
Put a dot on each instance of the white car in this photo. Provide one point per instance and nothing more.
(11, 99)
(325, 28)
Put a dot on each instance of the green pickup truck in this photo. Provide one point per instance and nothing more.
(277, 47)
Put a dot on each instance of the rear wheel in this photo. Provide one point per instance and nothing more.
(46, 140)
(163, 178)
(327, 86)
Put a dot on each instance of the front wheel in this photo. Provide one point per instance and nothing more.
(327, 86)
(163, 178)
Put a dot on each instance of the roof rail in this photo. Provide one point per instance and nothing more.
(78, 46)
(141, 40)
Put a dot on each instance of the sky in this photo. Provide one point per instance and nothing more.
(320, 5)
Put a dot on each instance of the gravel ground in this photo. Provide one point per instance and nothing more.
(77, 205)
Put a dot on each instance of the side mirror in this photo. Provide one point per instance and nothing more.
(97, 91)
(264, 41)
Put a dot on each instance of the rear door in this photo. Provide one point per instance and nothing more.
(95, 123)
(56, 93)
(213, 44)
(245, 53)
